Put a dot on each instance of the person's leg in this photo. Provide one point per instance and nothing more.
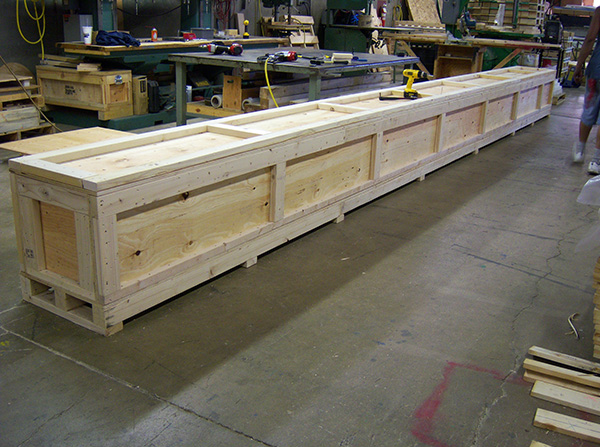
(589, 116)
(594, 166)
(584, 132)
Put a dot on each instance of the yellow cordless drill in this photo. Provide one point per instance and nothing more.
(409, 92)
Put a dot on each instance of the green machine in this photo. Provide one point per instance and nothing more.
(346, 37)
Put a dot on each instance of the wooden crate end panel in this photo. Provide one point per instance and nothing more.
(59, 240)
(408, 144)
(319, 177)
(173, 230)
(462, 125)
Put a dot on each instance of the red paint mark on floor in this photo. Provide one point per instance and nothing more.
(426, 414)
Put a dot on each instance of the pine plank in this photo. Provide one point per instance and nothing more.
(566, 397)
(532, 377)
(562, 373)
(567, 425)
(564, 359)
(538, 444)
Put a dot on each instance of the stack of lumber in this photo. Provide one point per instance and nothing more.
(299, 30)
(596, 286)
(499, 14)
(17, 112)
(569, 381)
(76, 63)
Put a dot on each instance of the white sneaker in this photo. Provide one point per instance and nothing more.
(594, 167)
(577, 153)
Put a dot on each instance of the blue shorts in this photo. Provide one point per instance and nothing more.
(591, 103)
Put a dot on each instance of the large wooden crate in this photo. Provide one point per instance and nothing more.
(110, 229)
(108, 92)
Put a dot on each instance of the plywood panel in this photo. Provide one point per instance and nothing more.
(498, 112)
(527, 101)
(437, 89)
(59, 240)
(292, 121)
(115, 161)
(319, 177)
(376, 103)
(462, 125)
(408, 144)
(191, 224)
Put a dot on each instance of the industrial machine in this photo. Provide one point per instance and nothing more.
(456, 17)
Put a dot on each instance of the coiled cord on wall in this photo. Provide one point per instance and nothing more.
(41, 17)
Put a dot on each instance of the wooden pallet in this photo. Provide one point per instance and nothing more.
(16, 135)
(108, 230)
(559, 99)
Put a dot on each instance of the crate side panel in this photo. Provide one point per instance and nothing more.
(85, 94)
(187, 225)
(318, 177)
(527, 101)
(462, 125)
(408, 144)
(59, 240)
(499, 112)
(546, 94)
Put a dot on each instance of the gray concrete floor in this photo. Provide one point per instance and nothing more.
(404, 325)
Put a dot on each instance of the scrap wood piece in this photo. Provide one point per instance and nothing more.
(565, 359)
(532, 377)
(567, 425)
(563, 373)
(538, 444)
(424, 11)
(566, 397)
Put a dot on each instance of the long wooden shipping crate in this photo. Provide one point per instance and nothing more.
(110, 229)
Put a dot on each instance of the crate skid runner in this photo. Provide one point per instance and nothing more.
(110, 229)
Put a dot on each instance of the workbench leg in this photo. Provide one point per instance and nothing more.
(180, 98)
(314, 86)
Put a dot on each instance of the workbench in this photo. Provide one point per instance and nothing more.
(248, 60)
(143, 58)
(475, 44)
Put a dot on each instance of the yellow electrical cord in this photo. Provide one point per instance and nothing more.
(268, 83)
(37, 18)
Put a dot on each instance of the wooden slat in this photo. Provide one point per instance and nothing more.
(567, 425)
(564, 359)
(538, 444)
(566, 397)
(532, 377)
(62, 140)
(562, 373)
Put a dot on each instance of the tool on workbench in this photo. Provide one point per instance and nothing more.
(280, 56)
(246, 33)
(234, 49)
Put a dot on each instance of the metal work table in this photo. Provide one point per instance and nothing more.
(143, 58)
(248, 59)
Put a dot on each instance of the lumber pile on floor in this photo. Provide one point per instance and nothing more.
(569, 381)
(596, 286)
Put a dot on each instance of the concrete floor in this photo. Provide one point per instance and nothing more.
(404, 325)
